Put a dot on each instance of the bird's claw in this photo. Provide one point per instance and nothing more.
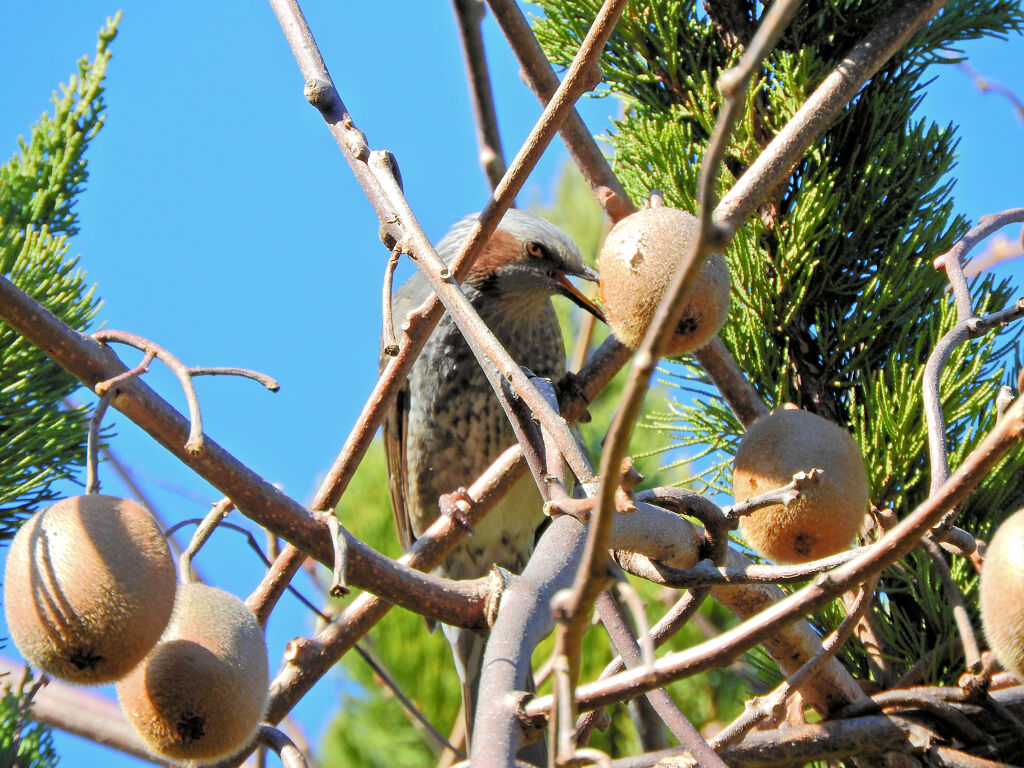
(569, 387)
(457, 505)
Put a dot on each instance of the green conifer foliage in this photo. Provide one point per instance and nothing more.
(836, 304)
(43, 441)
(22, 742)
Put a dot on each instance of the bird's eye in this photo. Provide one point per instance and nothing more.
(535, 249)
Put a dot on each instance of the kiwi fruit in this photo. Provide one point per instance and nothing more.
(1002, 594)
(826, 517)
(637, 262)
(202, 691)
(88, 588)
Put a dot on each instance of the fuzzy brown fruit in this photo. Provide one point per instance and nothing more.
(1002, 594)
(201, 692)
(824, 520)
(88, 588)
(638, 260)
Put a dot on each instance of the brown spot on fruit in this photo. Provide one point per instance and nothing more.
(803, 544)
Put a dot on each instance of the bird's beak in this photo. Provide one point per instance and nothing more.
(565, 287)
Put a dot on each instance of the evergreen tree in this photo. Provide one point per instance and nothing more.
(836, 303)
(41, 440)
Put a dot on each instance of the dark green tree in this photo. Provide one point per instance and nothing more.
(836, 303)
(42, 441)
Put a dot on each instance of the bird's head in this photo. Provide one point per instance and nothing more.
(526, 260)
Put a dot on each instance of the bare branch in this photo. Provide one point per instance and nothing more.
(892, 546)
(91, 362)
(542, 81)
(670, 309)
(282, 746)
(202, 533)
(469, 15)
(77, 710)
(821, 107)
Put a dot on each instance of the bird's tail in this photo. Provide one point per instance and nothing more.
(468, 650)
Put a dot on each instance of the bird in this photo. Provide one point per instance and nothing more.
(447, 426)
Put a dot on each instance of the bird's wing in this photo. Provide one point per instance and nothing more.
(394, 429)
(394, 433)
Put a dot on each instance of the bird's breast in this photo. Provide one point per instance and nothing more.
(457, 428)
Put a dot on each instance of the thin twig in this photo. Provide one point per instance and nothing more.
(892, 546)
(92, 444)
(110, 385)
(407, 704)
(632, 600)
(245, 373)
(469, 15)
(339, 586)
(106, 390)
(786, 496)
(761, 707)
(202, 533)
(733, 84)
(968, 328)
(282, 746)
(972, 654)
(985, 85)
(390, 343)
(627, 647)
(194, 443)
(528, 436)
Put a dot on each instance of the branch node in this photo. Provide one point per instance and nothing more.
(320, 93)
(457, 506)
(497, 581)
(562, 605)
(339, 587)
(299, 650)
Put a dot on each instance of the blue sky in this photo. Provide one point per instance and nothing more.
(221, 220)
